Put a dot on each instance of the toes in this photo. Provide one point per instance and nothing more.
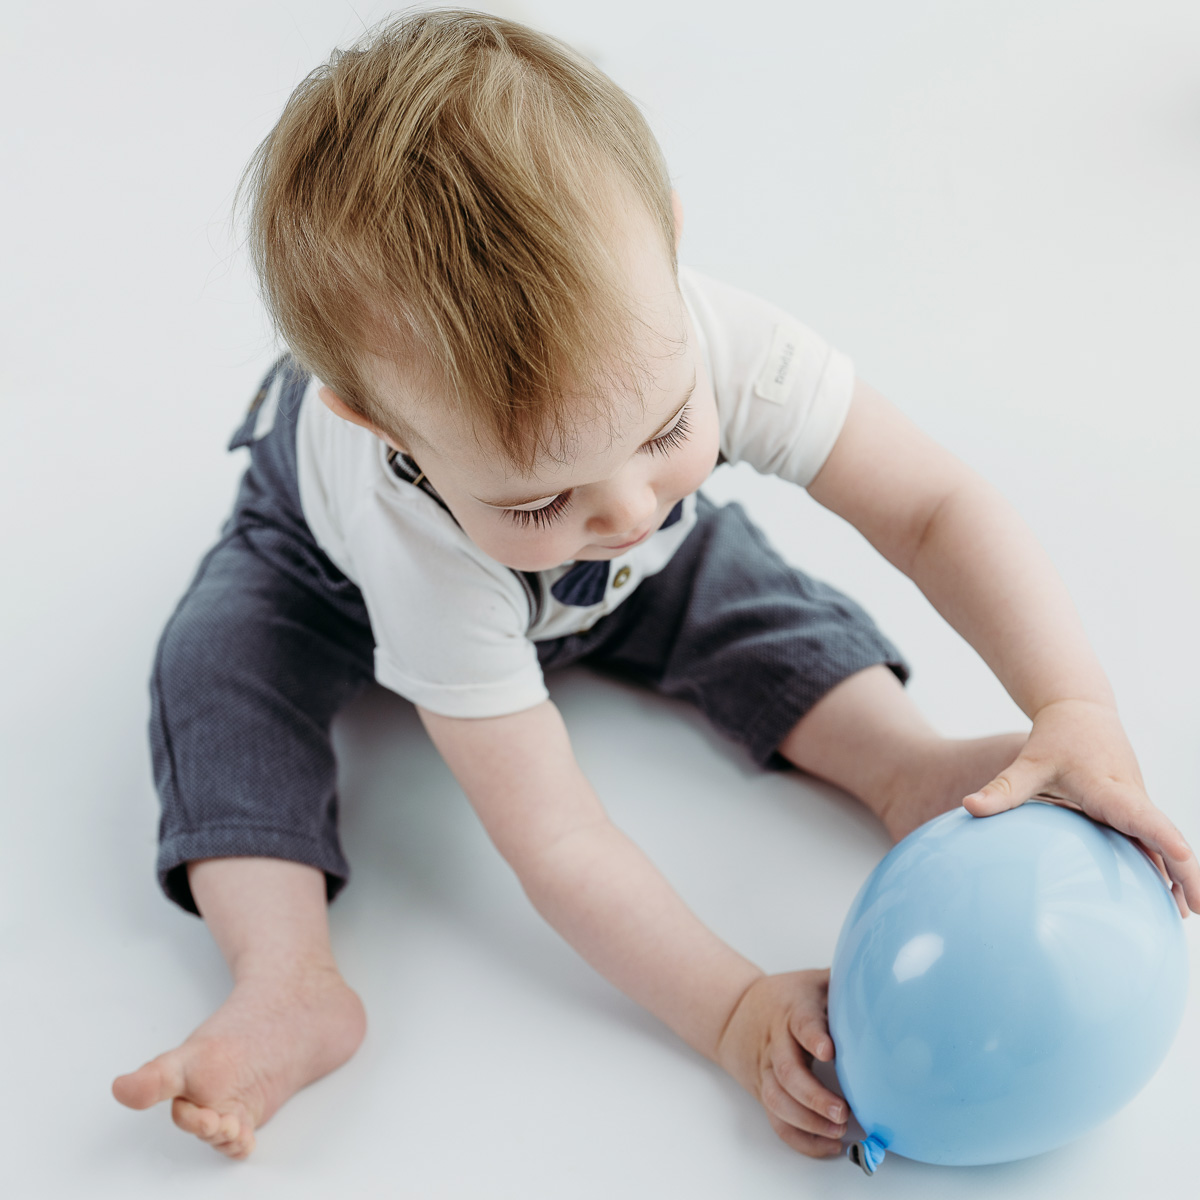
(228, 1132)
(206, 1123)
(157, 1080)
(164, 1078)
(191, 1118)
(234, 1137)
(241, 1146)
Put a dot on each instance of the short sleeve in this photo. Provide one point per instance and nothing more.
(450, 625)
(782, 391)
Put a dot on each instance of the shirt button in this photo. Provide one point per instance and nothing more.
(621, 577)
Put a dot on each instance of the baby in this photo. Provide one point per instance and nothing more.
(479, 460)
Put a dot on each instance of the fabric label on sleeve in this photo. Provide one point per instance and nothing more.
(775, 379)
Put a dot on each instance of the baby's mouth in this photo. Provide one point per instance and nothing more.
(634, 542)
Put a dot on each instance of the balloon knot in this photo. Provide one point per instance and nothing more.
(868, 1154)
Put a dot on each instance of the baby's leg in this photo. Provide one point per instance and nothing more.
(269, 642)
(290, 1018)
(868, 737)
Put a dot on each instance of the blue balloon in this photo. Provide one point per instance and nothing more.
(1002, 985)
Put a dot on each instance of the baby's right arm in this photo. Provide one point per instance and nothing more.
(607, 899)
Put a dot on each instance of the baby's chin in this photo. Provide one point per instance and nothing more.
(594, 553)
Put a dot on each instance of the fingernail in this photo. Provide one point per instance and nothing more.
(836, 1111)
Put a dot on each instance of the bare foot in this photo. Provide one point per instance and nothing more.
(275, 1034)
(937, 781)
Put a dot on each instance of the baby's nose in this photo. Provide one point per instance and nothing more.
(627, 511)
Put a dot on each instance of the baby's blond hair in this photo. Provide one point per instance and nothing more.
(451, 183)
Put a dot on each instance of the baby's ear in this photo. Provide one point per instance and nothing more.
(340, 408)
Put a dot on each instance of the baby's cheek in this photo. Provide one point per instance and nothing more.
(522, 548)
(489, 535)
(703, 449)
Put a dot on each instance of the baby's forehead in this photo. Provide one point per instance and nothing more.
(589, 430)
(595, 448)
(581, 419)
(547, 427)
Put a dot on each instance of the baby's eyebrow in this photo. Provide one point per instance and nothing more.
(655, 434)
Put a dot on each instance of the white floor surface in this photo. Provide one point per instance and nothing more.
(990, 206)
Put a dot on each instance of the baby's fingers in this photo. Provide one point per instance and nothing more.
(800, 1127)
(807, 1143)
(811, 1030)
(1136, 817)
(794, 1094)
(1177, 893)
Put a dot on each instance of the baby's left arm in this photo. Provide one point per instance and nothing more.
(962, 543)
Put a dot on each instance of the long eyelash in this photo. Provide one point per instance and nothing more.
(541, 517)
(669, 440)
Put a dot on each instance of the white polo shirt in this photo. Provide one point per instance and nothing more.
(454, 629)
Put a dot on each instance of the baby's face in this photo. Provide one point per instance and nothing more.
(614, 491)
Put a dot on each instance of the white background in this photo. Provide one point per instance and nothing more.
(990, 206)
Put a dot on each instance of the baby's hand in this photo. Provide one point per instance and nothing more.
(777, 1029)
(1078, 756)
